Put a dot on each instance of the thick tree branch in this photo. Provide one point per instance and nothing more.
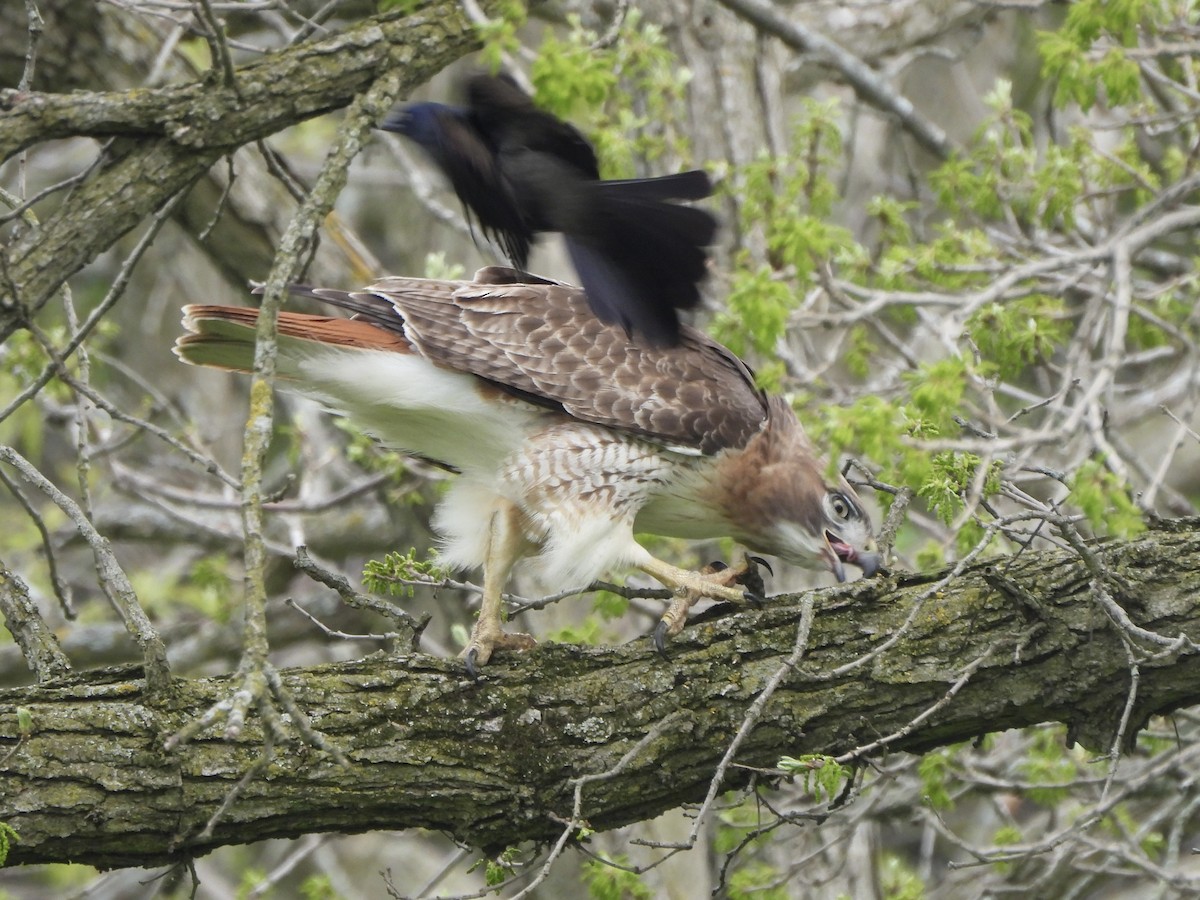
(278, 90)
(1012, 642)
(169, 137)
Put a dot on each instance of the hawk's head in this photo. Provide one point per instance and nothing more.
(779, 501)
(826, 525)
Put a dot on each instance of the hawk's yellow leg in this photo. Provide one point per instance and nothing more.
(505, 544)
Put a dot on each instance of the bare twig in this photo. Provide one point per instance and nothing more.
(865, 81)
(111, 575)
(403, 621)
(214, 33)
(62, 589)
(35, 638)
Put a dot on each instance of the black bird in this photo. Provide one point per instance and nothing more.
(521, 171)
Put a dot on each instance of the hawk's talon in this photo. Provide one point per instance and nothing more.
(749, 577)
(759, 561)
(469, 660)
(660, 638)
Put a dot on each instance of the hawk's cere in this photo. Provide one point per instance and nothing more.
(521, 171)
(568, 435)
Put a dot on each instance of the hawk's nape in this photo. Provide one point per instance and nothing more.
(569, 436)
(519, 170)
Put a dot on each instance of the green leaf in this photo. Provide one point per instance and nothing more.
(758, 881)
(823, 775)
(1048, 763)
(898, 880)
(503, 867)
(1013, 336)
(590, 85)
(1104, 499)
(609, 878)
(609, 605)
(396, 572)
(937, 390)
(8, 835)
(499, 33)
(758, 306)
(318, 887)
(934, 770)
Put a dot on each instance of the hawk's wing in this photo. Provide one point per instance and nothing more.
(539, 340)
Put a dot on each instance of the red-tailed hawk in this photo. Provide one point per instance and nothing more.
(568, 435)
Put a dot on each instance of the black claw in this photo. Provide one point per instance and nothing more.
(716, 566)
(752, 581)
(759, 561)
(660, 638)
(755, 599)
(472, 668)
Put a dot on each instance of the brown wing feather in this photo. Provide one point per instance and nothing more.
(542, 341)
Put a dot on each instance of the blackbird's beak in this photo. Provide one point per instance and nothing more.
(399, 121)
(840, 553)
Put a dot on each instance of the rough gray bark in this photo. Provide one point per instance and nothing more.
(1023, 639)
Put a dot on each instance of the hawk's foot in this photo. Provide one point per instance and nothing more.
(485, 641)
(716, 581)
(748, 574)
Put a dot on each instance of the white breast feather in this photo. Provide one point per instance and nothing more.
(410, 404)
(684, 506)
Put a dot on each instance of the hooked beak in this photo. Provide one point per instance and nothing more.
(839, 552)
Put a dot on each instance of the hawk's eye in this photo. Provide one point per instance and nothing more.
(839, 505)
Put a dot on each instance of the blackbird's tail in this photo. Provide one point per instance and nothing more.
(640, 258)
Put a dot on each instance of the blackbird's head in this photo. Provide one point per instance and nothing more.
(422, 123)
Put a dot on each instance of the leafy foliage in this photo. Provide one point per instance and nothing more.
(935, 771)
(1105, 501)
(1068, 54)
(591, 83)
(500, 868)
(823, 776)
(1049, 767)
(1011, 337)
(397, 573)
(1001, 191)
(499, 33)
(206, 588)
(787, 201)
(612, 879)
(898, 880)
(251, 880)
(8, 835)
